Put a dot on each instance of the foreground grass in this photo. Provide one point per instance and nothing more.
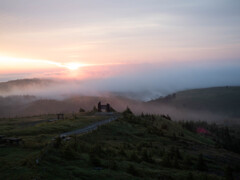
(133, 147)
(36, 137)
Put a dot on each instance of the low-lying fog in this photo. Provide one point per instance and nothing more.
(142, 82)
(136, 84)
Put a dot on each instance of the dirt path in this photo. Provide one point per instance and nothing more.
(89, 128)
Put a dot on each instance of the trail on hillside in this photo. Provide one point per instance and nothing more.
(89, 128)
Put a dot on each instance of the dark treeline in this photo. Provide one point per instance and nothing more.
(224, 136)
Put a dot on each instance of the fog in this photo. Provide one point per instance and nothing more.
(132, 85)
(28, 106)
(137, 81)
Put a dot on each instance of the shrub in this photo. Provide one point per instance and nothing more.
(113, 165)
(94, 160)
(69, 153)
(81, 110)
(228, 173)
(201, 164)
(164, 126)
(128, 114)
(190, 176)
(97, 149)
(122, 152)
(187, 162)
(58, 142)
(175, 163)
(132, 170)
(94, 109)
(146, 156)
(134, 157)
(166, 161)
(127, 111)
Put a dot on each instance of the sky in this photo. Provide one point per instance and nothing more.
(117, 39)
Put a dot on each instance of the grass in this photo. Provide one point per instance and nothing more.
(221, 100)
(132, 147)
(36, 136)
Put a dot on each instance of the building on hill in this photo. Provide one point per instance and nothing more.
(106, 107)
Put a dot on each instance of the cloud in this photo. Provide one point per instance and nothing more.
(120, 31)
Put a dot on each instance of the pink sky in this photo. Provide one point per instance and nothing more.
(82, 39)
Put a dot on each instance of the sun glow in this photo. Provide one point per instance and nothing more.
(73, 66)
(22, 63)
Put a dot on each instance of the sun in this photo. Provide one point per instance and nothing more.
(10, 62)
(73, 66)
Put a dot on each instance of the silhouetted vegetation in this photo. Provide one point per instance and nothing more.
(132, 147)
(201, 164)
(95, 109)
(219, 134)
(81, 110)
(127, 112)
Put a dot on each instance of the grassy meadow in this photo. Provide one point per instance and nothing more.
(132, 147)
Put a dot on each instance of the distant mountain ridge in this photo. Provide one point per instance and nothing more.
(217, 99)
(24, 84)
(29, 97)
(30, 105)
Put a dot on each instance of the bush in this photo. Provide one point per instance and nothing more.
(112, 110)
(228, 173)
(201, 164)
(190, 176)
(134, 157)
(94, 109)
(113, 165)
(122, 152)
(69, 153)
(97, 150)
(175, 163)
(166, 161)
(146, 156)
(187, 162)
(127, 113)
(174, 152)
(95, 161)
(164, 126)
(81, 110)
(58, 142)
(132, 170)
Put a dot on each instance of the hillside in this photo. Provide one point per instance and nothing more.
(220, 100)
(23, 84)
(30, 105)
(35, 96)
(132, 147)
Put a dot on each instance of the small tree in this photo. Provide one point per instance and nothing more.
(134, 157)
(166, 161)
(132, 170)
(113, 165)
(187, 162)
(146, 156)
(58, 142)
(94, 109)
(69, 152)
(127, 111)
(201, 164)
(81, 110)
(94, 160)
(122, 152)
(75, 143)
(112, 110)
(174, 137)
(228, 173)
(190, 176)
